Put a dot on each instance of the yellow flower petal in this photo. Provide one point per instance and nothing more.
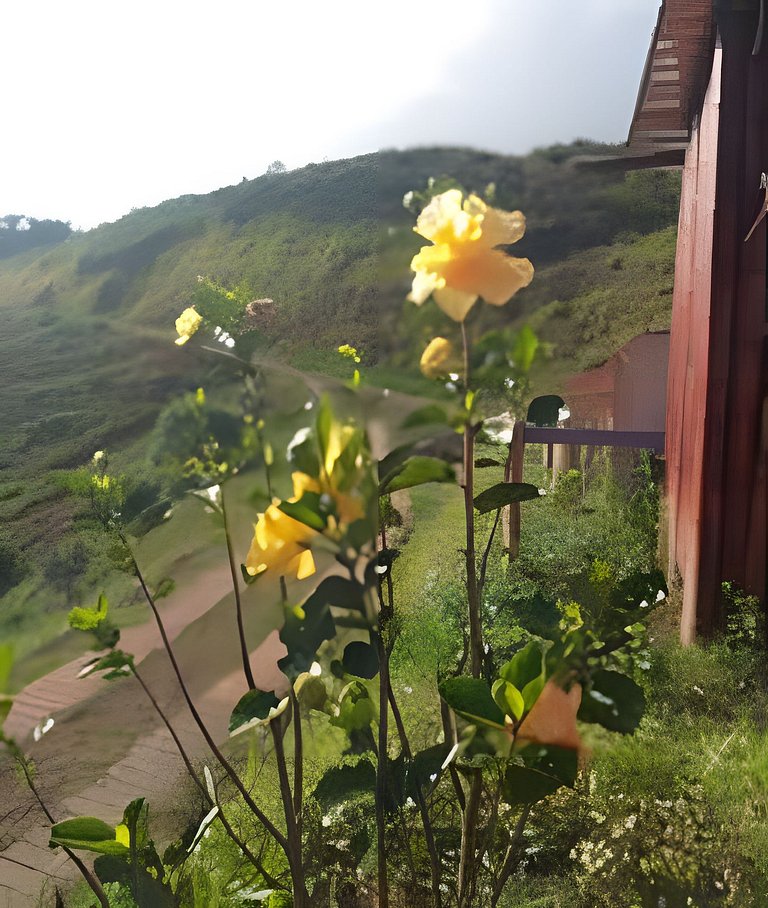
(455, 303)
(306, 565)
(187, 323)
(463, 264)
(439, 358)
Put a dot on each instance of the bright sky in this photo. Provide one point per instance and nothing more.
(114, 105)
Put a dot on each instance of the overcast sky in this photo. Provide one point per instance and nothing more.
(112, 105)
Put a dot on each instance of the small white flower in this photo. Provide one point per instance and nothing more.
(408, 690)
(315, 670)
(698, 690)
(98, 456)
(42, 728)
(629, 823)
(308, 405)
(449, 759)
(660, 595)
(229, 342)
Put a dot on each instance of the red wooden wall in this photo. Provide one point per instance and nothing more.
(716, 431)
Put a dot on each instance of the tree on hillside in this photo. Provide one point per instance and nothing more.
(19, 233)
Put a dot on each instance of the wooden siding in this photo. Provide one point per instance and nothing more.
(716, 402)
(675, 76)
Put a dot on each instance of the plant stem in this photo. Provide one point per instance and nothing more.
(429, 836)
(294, 852)
(244, 654)
(298, 761)
(268, 878)
(215, 750)
(381, 768)
(467, 861)
(87, 875)
(513, 857)
(473, 598)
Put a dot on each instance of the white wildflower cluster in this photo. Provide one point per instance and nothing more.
(223, 337)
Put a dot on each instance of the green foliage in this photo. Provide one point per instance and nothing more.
(504, 493)
(416, 471)
(90, 834)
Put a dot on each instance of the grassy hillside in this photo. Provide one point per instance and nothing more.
(88, 359)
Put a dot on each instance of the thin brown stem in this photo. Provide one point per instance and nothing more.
(381, 771)
(244, 654)
(298, 760)
(268, 878)
(513, 857)
(86, 874)
(295, 859)
(473, 598)
(487, 552)
(429, 836)
(215, 750)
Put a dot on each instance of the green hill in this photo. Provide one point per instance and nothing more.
(88, 360)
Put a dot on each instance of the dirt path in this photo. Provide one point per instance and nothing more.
(107, 745)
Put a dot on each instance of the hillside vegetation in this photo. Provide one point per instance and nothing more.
(88, 360)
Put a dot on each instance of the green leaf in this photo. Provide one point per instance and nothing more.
(356, 708)
(361, 659)
(504, 493)
(524, 349)
(302, 452)
(87, 834)
(306, 511)
(88, 619)
(324, 424)
(255, 705)
(146, 890)
(342, 783)
(471, 698)
(560, 762)
(483, 462)
(544, 410)
(426, 416)
(6, 663)
(508, 698)
(5, 707)
(526, 670)
(394, 459)
(303, 636)
(166, 586)
(524, 785)
(533, 689)
(248, 578)
(116, 663)
(524, 666)
(416, 471)
(613, 701)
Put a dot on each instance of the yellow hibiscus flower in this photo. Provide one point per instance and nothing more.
(282, 544)
(186, 324)
(439, 359)
(463, 263)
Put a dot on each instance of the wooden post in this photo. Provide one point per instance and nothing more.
(513, 472)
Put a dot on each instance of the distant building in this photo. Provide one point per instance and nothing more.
(703, 105)
(629, 392)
